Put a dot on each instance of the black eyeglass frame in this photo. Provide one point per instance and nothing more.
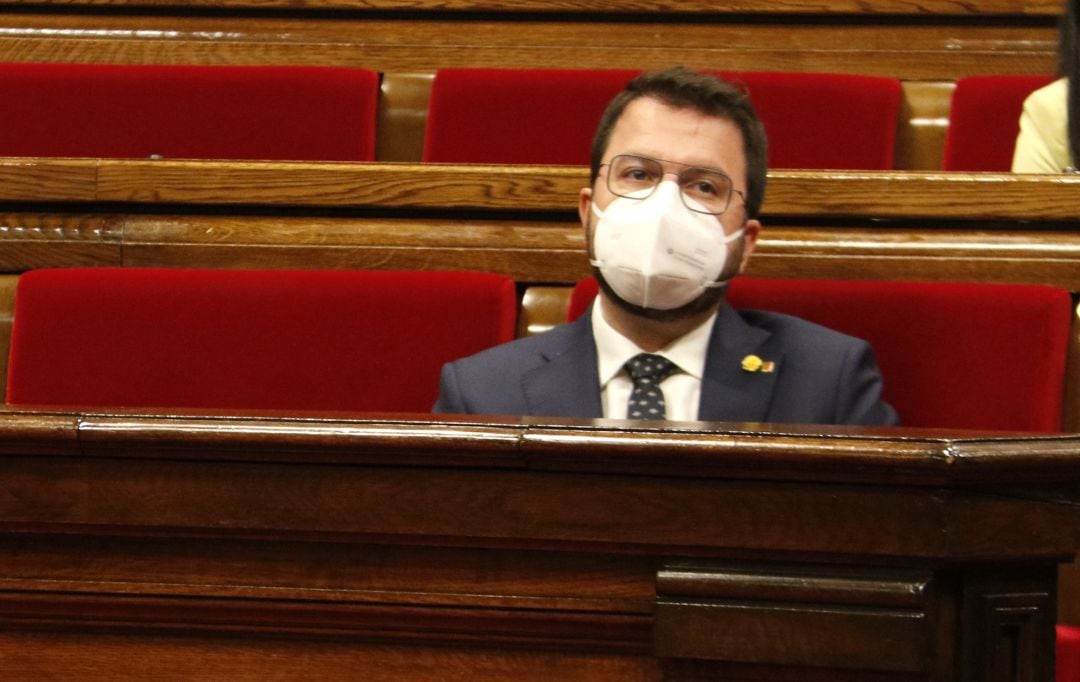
(682, 196)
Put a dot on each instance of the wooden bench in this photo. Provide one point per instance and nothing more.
(927, 40)
(928, 45)
(519, 222)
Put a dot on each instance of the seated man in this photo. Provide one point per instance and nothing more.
(678, 177)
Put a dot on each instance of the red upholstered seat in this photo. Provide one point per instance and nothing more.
(197, 112)
(289, 340)
(1068, 654)
(545, 116)
(984, 121)
(550, 115)
(825, 120)
(954, 355)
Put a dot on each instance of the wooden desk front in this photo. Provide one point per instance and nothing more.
(398, 547)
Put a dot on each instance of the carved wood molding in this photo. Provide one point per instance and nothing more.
(797, 615)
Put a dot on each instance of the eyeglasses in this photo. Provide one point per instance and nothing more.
(636, 177)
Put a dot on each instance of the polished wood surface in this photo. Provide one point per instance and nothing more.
(922, 7)
(525, 188)
(906, 48)
(518, 221)
(401, 545)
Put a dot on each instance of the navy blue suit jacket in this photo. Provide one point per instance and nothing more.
(820, 376)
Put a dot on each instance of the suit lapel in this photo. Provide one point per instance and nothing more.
(566, 383)
(728, 392)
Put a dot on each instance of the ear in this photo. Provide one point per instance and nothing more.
(750, 235)
(584, 205)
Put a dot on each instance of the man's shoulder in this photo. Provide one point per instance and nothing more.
(525, 351)
(796, 332)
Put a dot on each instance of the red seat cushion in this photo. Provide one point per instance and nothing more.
(319, 340)
(979, 356)
(984, 121)
(545, 116)
(1068, 654)
(197, 112)
(825, 120)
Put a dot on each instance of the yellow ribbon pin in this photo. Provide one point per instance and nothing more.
(752, 363)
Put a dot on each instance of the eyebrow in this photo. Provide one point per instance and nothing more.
(676, 163)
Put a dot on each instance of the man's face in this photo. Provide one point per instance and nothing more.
(685, 137)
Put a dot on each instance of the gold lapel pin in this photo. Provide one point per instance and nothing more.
(752, 363)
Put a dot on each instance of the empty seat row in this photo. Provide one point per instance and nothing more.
(549, 116)
(980, 356)
(194, 112)
(544, 116)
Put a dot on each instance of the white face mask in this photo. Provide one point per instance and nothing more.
(656, 252)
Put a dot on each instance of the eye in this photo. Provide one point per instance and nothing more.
(702, 188)
(637, 173)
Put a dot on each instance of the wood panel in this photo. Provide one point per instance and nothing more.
(518, 221)
(919, 7)
(31, 656)
(910, 49)
(418, 547)
(476, 189)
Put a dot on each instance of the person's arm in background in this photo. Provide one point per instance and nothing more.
(1042, 145)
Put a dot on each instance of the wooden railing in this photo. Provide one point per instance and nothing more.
(616, 7)
(516, 220)
(929, 40)
(409, 547)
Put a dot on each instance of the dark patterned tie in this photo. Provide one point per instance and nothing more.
(647, 398)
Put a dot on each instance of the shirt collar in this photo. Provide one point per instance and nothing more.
(613, 349)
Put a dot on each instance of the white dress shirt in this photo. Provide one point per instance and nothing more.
(682, 389)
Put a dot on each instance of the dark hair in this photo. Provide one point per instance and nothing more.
(1069, 64)
(680, 87)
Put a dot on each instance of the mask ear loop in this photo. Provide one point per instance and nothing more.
(715, 284)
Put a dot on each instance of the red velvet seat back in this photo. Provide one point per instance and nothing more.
(1067, 656)
(984, 121)
(980, 356)
(825, 120)
(545, 116)
(195, 112)
(549, 116)
(289, 340)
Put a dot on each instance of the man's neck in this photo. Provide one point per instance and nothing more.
(649, 335)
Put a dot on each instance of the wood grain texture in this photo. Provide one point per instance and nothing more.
(913, 7)
(528, 251)
(30, 656)
(508, 188)
(930, 251)
(387, 544)
(521, 221)
(910, 50)
(48, 179)
(390, 185)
